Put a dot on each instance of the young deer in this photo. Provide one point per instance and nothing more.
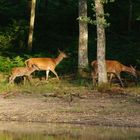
(21, 71)
(47, 64)
(114, 68)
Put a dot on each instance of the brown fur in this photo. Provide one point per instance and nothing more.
(113, 68)
(21, 71)
(47, 64)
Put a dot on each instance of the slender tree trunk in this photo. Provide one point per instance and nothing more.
(102, 74)
(31, 28)
(83, 39)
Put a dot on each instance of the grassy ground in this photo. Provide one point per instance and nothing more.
(67, 84)
(71, 101)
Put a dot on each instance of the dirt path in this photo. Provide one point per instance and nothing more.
(91, 108)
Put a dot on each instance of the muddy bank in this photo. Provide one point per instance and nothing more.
(91, 108)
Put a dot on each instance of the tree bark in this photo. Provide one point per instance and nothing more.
(31, 28)
(102, 74)
(83, 39)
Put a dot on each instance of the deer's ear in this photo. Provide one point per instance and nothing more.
(58, 50)
(133, 67)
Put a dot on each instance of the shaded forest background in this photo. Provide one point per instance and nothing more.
(56, 26)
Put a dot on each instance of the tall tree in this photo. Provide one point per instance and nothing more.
(83, 38)
(100, 20)
(31, 28)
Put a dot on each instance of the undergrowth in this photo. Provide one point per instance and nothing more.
(37, 86)
(66, 85)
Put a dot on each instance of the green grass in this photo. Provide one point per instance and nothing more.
(68, 84)
(63, 86)
(133, 90)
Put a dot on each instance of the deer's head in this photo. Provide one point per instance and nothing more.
(133, 71)
(62, 54)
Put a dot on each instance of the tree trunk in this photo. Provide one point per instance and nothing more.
(83, 39)
(31, 28)
(102, 74)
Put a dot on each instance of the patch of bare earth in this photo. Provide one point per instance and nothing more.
(88, 108)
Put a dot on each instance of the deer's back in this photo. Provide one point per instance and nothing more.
(42, 63)
(22, 71)
(112, 66)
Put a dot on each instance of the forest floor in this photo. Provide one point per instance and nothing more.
(115, 107)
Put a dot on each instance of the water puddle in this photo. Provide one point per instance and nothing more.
(49, 131)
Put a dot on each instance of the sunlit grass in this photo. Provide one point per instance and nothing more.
(64, 86)
(133, 90)
(42, 86)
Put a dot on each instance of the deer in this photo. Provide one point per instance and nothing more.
(114, 69)
(47, 64)
(21, 72)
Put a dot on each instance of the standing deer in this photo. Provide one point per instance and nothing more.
(114, 68)
(21, 71)
(47, 64)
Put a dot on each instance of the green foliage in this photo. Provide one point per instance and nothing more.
(92, 20)
(5, 40)
(107, 1)
(84, 19)
(12, 9)
(138, 18)
(6, 63)
(13, 36)
(89, 20)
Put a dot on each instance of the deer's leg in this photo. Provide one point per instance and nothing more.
(29, 78)
(55, 74)
(47, 74)
(110, 77)
(11, 79)
(24, 79)
(94, 78)
(119, 77)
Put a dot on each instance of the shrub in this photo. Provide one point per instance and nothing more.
(6, 63)
(13, 36)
